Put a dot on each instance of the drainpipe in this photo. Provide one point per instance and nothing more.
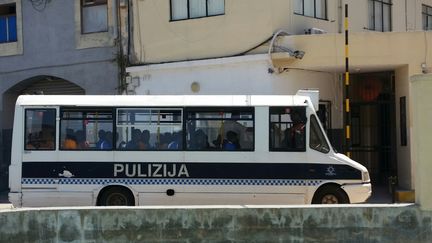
(115, 17)
(340, 10)
(406, 15)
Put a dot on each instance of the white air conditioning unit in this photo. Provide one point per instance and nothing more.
(314, 31)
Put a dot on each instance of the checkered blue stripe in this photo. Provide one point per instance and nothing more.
(221, 182)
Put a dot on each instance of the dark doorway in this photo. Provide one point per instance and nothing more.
(373, 122)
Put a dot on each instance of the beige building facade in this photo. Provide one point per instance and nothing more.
(250, 47)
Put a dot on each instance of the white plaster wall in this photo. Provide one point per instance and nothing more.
(422, 140)
(405, 167)
(238, 75)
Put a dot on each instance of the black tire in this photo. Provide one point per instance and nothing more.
(330, 195)
(116, 196)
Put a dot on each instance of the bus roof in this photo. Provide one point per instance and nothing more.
(162, 100)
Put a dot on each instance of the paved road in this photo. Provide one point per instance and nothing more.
(380, 194)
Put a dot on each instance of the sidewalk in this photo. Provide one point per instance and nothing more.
(380, 194)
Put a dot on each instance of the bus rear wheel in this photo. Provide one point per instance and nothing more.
(330, 195)
(116, 196)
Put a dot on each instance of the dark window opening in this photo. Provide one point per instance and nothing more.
(8, 25)
(94, 16)
(403, 121)
(191, 9)
(311, 8)
(317, 139)
(380, 15)
(220, 129)
(427, 17)
(86, 129)
(288, 128)
(149, 129)
(40, 128)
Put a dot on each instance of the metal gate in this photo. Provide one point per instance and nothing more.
(373, 122)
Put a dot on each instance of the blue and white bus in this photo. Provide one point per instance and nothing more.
(176, 150)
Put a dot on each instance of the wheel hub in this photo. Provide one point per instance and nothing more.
(330, 199)
(117, 199)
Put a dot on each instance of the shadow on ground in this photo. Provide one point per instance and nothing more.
(380, 194)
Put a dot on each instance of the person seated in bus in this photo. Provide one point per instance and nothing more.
(82, 143)
(232, 141)
(70, 142)
(47, 139)
(109, 140)
(30, 146)
(294, 136)
(31, 143)
(199, 140)
(164, 140)
(133, 144)
(175, 144)
(287, 140)
(298, 130)
(103, 142)
(218, 143)
(122, 144)
(144, 142)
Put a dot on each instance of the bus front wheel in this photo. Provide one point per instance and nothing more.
(116, 196)
(330, 194)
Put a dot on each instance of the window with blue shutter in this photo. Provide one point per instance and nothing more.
(8, 26)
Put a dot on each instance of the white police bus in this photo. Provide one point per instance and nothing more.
(176, 150)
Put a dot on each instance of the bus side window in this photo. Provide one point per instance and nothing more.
(40, 129)
(220, 129)
(149, 129)
(288, 128)
(86, 128)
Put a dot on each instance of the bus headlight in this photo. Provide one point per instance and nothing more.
(365, 176)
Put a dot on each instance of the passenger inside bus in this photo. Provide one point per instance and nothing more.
(109, 139)
(199, 140)
(81, 140)
(143, 143)
(103, 143)
(70, 141)
(176, 141)
(133, 144)
(232, 141)
(164, 140)
(294, 137)
(44, 140)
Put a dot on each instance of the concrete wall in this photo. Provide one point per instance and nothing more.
(405, 165)
(302, 224)
(422, 137)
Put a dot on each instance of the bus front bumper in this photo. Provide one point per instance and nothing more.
(358, 193)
